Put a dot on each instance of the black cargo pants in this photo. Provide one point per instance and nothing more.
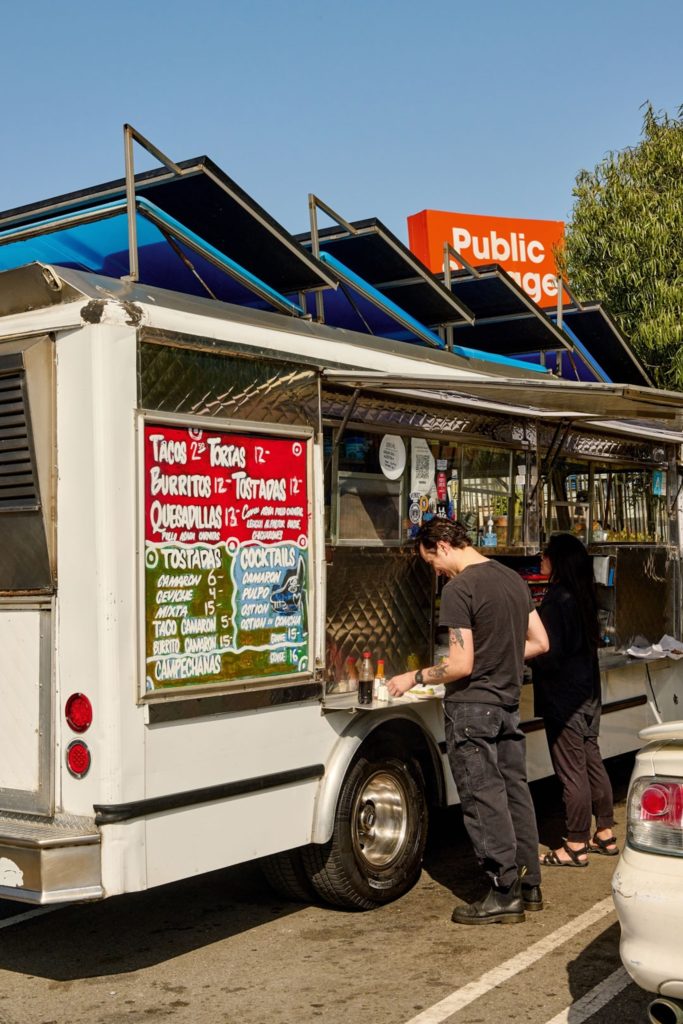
(487, 753)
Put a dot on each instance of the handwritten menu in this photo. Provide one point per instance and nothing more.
(226, 556)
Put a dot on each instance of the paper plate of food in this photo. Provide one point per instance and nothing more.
(425, 692)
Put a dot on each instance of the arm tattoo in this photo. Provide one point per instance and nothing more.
(437, 672)
(456, 637)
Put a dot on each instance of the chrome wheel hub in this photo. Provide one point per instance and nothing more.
(380, 820)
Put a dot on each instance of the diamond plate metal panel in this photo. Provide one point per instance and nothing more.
(381, 601)
(606, 448)
(644, 593)
(427, 418)
(195, 382)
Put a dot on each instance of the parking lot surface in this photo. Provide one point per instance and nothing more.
(224, 948)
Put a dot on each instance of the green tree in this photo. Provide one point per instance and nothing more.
(624, 243)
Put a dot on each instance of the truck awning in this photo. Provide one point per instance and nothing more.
(375, 254)
(594, 329)
(214, 208)
(506, 319)
(616, 407)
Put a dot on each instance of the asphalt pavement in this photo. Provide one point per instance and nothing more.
(224, 948)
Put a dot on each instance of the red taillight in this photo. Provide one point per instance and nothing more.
(662, 802)
(78, 712)
(78, 758)
(655, 815)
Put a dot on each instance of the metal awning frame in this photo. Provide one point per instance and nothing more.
(131, 135)
(381, 302)
(634, 409)
(422, 274)
(126, 189)
(532, 311)
(597, 307)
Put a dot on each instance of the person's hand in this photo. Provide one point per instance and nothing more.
(398, 685)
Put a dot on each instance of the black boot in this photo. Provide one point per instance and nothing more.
(531, 894)
(532, 897)
(500, 906)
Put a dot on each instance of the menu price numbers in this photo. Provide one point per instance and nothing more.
(210, 605)
(292, 656)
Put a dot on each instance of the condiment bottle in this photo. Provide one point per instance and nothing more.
(350, 676)
(379, 676)
(365, 679)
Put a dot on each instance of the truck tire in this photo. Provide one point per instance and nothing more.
(380, 831)
(286, 875)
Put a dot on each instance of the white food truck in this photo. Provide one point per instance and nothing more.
(205, 510)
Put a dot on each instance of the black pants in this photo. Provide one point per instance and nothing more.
(586, 787)
(487, 753)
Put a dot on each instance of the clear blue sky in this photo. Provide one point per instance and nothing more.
(380, 107)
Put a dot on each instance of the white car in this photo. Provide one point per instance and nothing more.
(648, 882)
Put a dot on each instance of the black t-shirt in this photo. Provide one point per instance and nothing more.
(495, 603)
(567, 677)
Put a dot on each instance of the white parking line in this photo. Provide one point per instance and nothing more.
(594, 1000)
(463, 996)
(36, 912)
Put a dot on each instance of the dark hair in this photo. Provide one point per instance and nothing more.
(437, 530)
(572, 567)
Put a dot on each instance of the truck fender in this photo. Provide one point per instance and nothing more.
(360, 729)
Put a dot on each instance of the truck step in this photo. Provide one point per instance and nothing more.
(49, 860)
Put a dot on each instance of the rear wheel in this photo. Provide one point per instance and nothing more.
(380, 830)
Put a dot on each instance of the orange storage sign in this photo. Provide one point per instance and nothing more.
(524, 248)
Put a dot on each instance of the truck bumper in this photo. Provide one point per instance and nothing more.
(49, 861)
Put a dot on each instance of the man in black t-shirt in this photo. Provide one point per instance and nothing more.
(493, 627)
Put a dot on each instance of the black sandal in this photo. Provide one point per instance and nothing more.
(551, 860)
(605, 847)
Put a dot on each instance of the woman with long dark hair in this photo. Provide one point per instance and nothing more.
(567, 696)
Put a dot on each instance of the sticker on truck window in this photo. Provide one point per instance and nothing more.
(226, 526)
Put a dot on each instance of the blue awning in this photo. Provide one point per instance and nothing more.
(212, 206)
(170, 254)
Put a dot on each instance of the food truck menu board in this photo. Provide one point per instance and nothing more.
(226, 556)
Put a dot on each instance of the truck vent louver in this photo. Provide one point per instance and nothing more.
(18, 489)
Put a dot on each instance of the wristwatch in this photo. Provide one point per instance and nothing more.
(419, 678)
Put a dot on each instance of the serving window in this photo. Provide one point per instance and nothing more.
(491, 496)
(601, 504)
(365, 505)
(369, 508)
(567, 499)
(630, 505)
(380, 488)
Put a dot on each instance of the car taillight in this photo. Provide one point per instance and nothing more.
(78, 712)
(78, 758)
(655, 815)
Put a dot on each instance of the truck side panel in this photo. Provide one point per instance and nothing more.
(97, 596)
